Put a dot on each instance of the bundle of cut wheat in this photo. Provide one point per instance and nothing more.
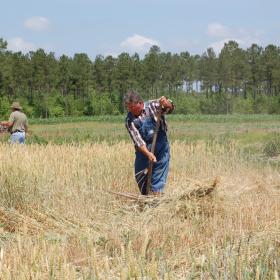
(3, 129)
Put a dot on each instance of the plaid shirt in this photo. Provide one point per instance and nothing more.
(151, 109)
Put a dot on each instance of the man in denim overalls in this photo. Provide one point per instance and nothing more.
(141, 123)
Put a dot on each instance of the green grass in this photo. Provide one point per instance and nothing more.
(234, 118)
(254, 134)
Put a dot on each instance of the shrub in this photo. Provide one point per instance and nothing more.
(272, 147)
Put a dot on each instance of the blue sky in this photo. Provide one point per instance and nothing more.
(114, 26)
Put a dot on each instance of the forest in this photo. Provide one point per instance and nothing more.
(233, 81)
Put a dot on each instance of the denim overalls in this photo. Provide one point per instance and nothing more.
(146, 128)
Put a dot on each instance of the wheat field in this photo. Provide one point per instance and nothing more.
(59, 221)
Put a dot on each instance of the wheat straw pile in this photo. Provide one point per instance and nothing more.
(58, 221)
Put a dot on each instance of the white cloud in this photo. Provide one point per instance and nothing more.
(138, 43)
(217, 46)
(18, 44)
(242, 36)
(244, 43)
(218, 30)
(37, 23)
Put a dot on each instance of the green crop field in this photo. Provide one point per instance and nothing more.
(254, 134)
(246, 129)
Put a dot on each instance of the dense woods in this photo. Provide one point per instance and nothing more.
(234, 81)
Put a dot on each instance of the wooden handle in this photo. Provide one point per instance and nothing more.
(150, 167)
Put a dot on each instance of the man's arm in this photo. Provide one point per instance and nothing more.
(26, 128)
(10, 122)
(161, 105)
(138, 141)
(7, 123)
(143, 149)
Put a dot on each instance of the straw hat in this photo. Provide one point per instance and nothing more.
(16, 105)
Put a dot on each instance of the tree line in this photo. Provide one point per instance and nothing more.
(234, 81)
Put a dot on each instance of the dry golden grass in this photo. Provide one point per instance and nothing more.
(58, 220)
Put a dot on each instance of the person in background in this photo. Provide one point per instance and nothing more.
(17, 124)
(140, 123)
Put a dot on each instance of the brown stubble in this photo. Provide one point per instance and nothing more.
(59, 220)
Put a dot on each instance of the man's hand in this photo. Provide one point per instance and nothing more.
(5, 123)
(165, 104)
(152, 157)
(162, 101)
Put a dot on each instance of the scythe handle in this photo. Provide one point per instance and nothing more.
(150, 167)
